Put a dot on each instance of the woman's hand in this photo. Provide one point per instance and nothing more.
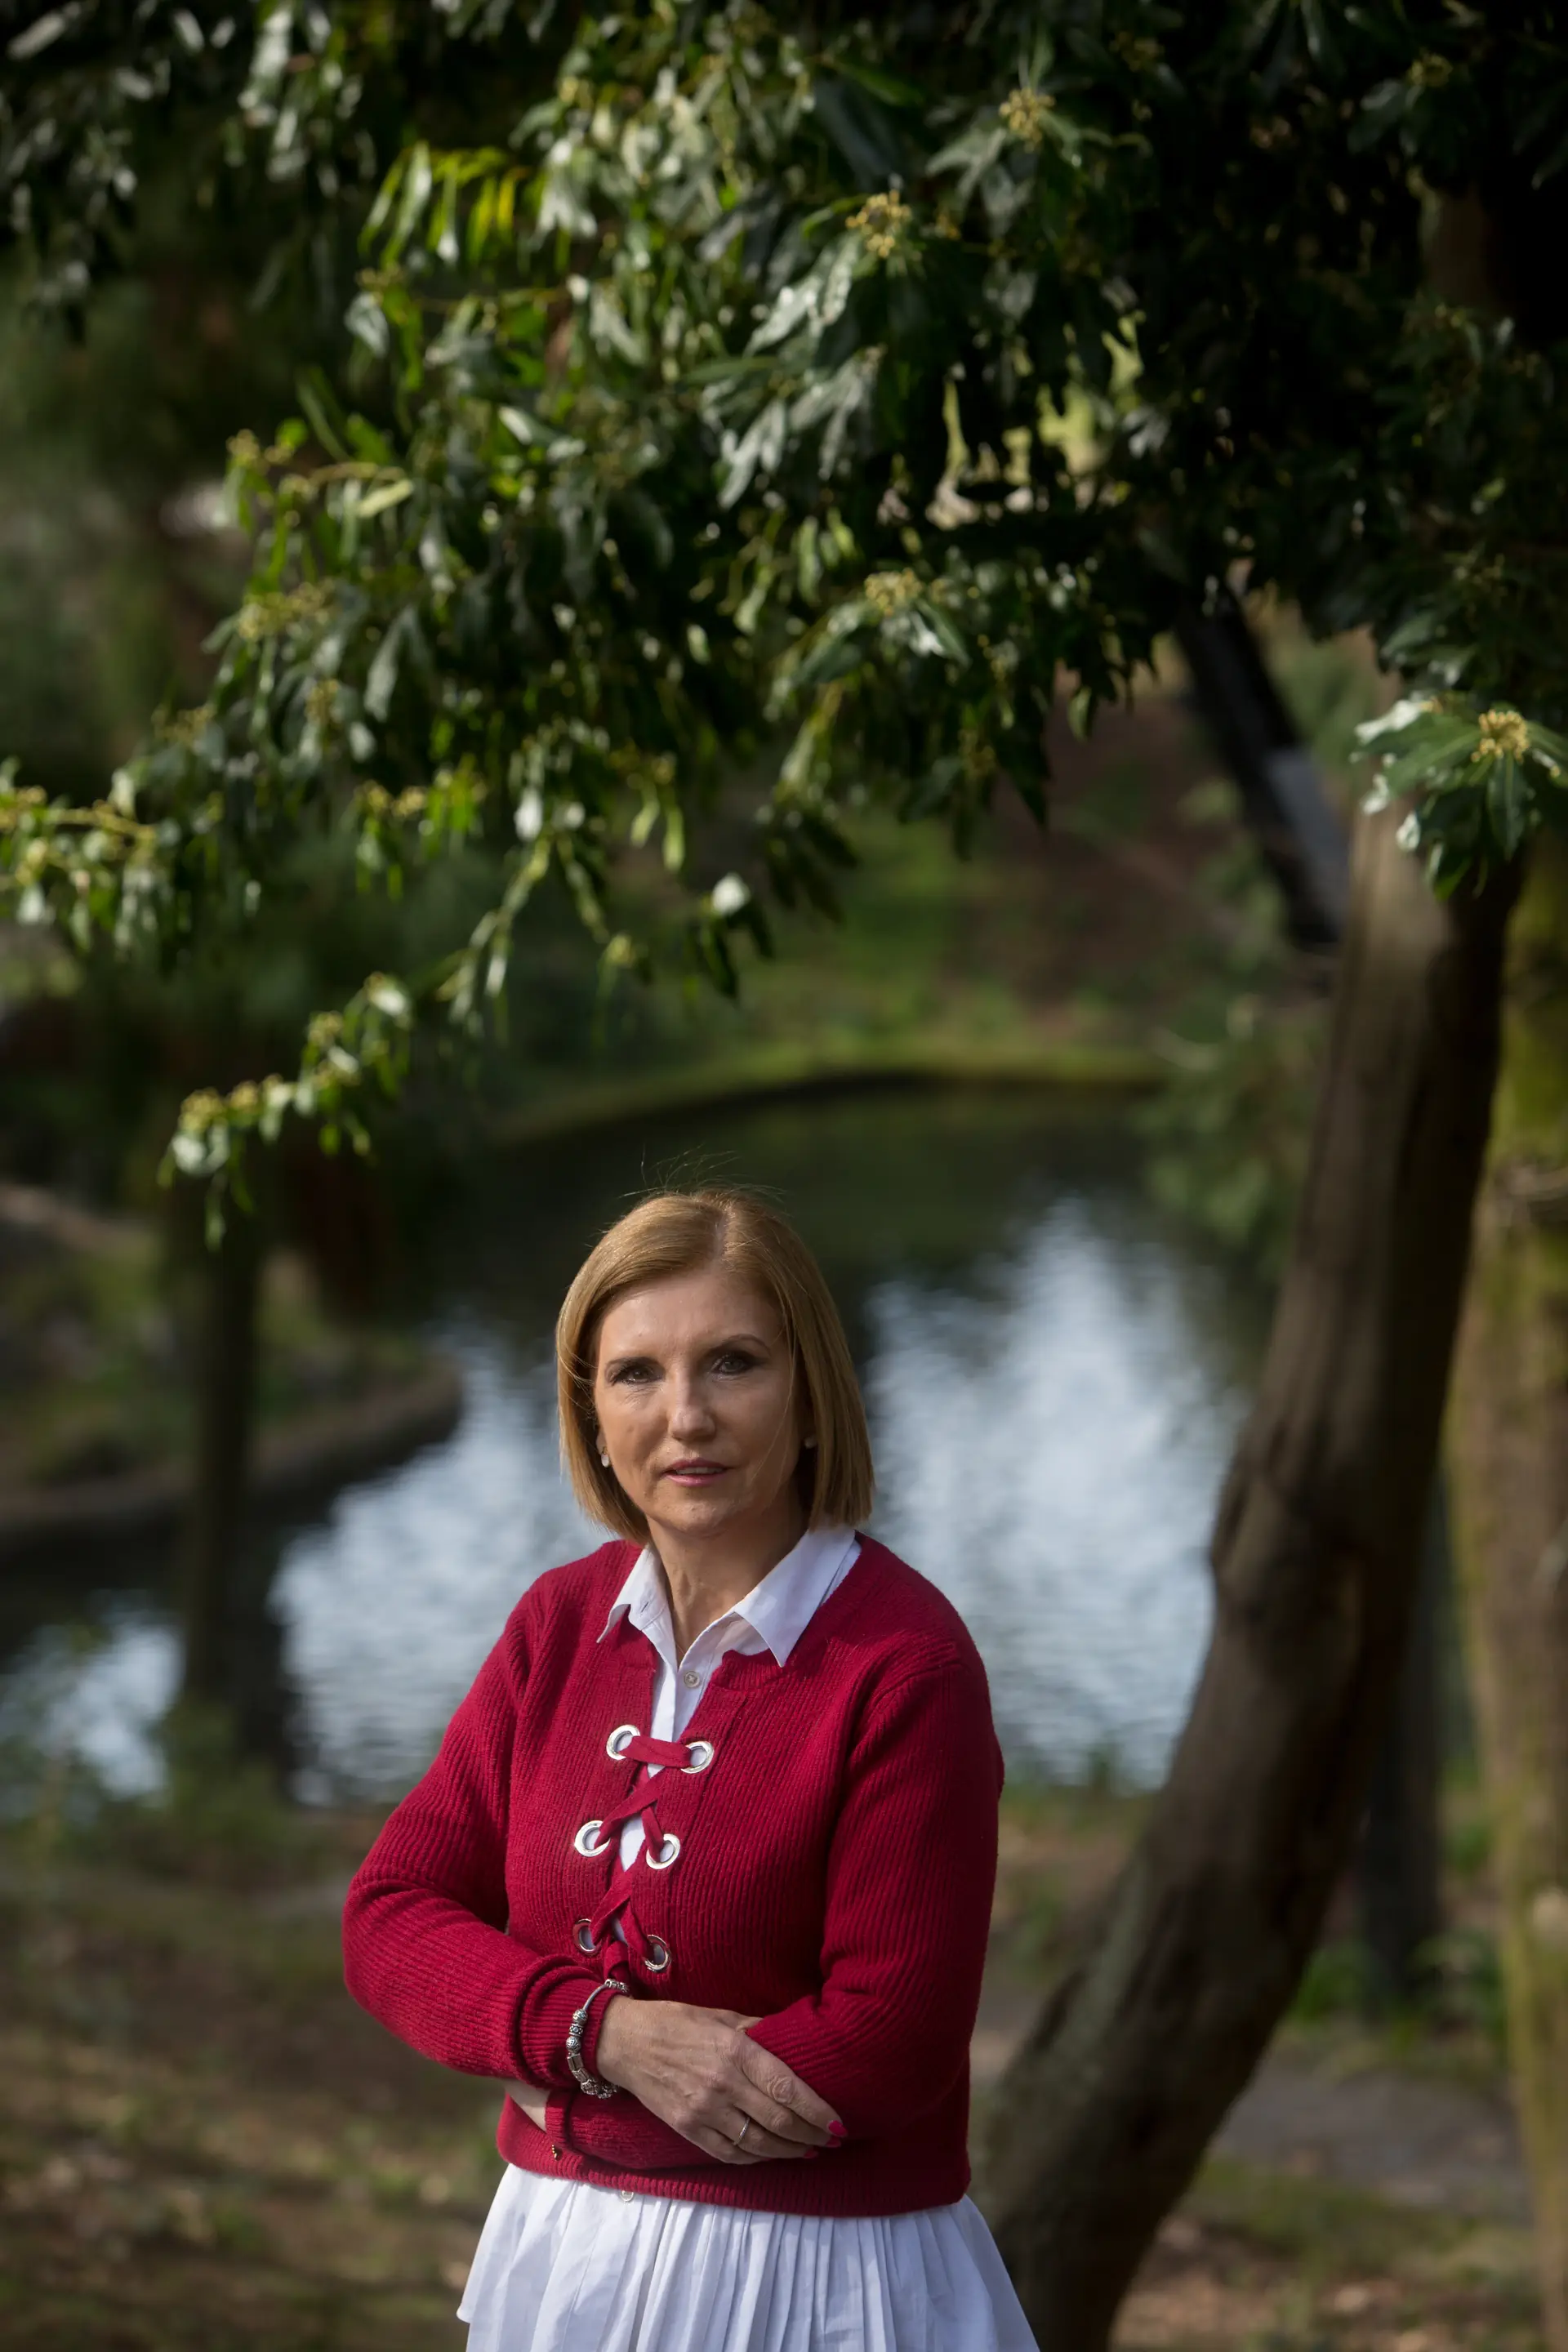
(697, 2071)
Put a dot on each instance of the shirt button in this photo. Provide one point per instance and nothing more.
(691, 1678)
(626, 2196)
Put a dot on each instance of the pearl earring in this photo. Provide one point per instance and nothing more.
(604, 1457)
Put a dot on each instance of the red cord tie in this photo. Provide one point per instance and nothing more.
(645, 1749)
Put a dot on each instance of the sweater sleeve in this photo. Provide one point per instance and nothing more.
(425, 1948)
(621, 2132)
(911, 1873)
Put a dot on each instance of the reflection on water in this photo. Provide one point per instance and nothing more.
(1053, 1380)
(389, 1608)
(97, 1689)
(1049, 1446)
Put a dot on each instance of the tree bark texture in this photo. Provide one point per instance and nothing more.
(1508, 1448)
(228, 1280)
(1316, 1556)
(1399, 1874)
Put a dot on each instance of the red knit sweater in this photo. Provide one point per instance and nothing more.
(834, 1878)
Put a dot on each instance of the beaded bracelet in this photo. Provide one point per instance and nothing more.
(586, 2082)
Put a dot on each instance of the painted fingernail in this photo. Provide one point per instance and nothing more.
(814, 2151)
(837, 2130)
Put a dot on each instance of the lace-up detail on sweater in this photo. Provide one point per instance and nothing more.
(657, 1851)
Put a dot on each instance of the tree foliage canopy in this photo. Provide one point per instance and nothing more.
(744, 394)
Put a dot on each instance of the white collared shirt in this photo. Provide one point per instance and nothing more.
(773, 1616)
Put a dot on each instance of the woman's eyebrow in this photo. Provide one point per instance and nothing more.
(709, 1347)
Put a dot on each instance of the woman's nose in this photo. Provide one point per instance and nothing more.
(689, 1408)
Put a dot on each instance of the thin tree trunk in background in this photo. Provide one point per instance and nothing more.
(228, 1282)
(1299, 832)
(1400, 1873)
(1508, 1449)
(1315, 1555)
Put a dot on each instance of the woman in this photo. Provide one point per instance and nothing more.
(703, 1870)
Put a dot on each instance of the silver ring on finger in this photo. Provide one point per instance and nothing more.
(741, 2135)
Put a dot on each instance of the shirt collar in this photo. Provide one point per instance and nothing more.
(779, 1608)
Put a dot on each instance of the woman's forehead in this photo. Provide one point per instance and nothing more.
(713, 1302)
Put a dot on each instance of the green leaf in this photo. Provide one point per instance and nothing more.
(382, 682)
(1509, 804)
(386, 495)
(317, 400)
(414, 196)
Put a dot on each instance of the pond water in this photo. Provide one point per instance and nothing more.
(1054, 1373)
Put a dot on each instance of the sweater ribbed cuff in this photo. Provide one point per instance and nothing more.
(542, 2030)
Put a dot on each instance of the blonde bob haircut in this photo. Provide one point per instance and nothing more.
(680, 1232)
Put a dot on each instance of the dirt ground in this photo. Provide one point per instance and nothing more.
(206, 2147)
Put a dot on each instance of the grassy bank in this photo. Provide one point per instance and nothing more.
(764, 1072)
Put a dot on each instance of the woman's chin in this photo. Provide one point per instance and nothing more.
(700, 1510)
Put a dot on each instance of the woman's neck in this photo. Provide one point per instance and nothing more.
(705, 1577)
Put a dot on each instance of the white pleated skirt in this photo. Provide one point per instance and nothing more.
(563, 2266)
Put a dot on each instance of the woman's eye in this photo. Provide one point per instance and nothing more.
(736, 1361)
(635, 1373)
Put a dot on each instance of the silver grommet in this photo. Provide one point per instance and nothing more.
(701, 1754)
(619, 1740)
(668, 1847)
(657, 1958)
(581, 1935)
(586, 1837)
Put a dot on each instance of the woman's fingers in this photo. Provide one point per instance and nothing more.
(792, 2107)
(758, 2145)
(714, 2144)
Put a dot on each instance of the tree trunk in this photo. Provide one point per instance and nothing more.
(1305, 843)
(228, 1281)
(1507, 1446)
(1316, 1557)
(1401, 1877)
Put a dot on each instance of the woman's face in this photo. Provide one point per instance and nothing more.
(698, 1409)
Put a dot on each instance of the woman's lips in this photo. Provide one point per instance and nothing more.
(695, 1474)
